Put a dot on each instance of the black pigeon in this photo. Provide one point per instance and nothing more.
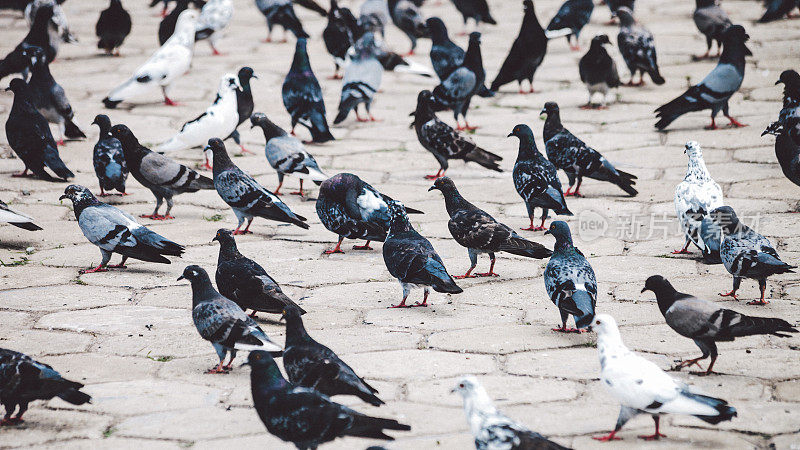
(526, 54)
(536, 179)
(167, 26)
(456, 91)
(281, 12)
(353, 209)
(477, 10)
(113, 26)
(444, 142)
(570, 281)
(598, 71)
(222, 322)
(340, 34)
(446, 56)
(245, 282)
(29, 135)
(577, 159)
(19, 220)
(777, 9)
(787, 127)
(244, 195)
(115, 231)
(716, 88)
(408, 18)
(573, 16)
(304, 416)
(638, 48)
(706, 323)
(711, 20)
(108, 159)
(313, 365)
(302, 96)
(38, 36)
(312, 5)
(479, 232)
(412, 260)
(244, 103)
(164, 177)
(23, 380)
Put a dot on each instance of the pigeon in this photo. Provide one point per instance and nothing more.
(163, 68)
(214, 17)
(313, 365)
(638, 48)
(598, 71)
(167, 26)
(312, 5)
(477, 10)
(695, 197)
(281, 12)
(115, 231)
(706, 323)
(17, 61)
(14, 5)
(287, 155)
(340, 34)
(573, 15)
(108, 159)
(113, 26)
(222, 322)
(408, 18)
(245, 282)
(29, 136)
(577, 159)
(58, 26)
(374, 15)
(491, 428)
(717, 87)
(49, 98)
(444, 142)
(711, 235)
(244, 195)
(536, 179)
(615, 5)
(777, 9)
(445, 55)
(19, 220)
(304, 416)
(244, 103)
(787, 127)
(23, 380)
(164, 177)
(456, 91)
(712, 21)
(643, 388)
(526, 54)
(479, 232)
(302, 96)
(219, 119)
(569, 280)
(411, 259)
(353, 209)
(746, 254)
(362, 79)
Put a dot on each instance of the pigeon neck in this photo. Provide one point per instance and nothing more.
(697, 169)
(22, 101)
(454, 202)
(476, 405)
(271, 130)
(399, 225)
(300, 62)
(734, 226)
(439, 35)
(38, 33)
(295, 331)
(530, 22)
(665, 296)
(222, 162)
(791, 96)
(40, 70)
(527, 149)
(104, 128)
(84, 202)
(131, 149)
(596, 51)
(264, 381)
(228, 250)
(734, 52)
(609, 343)
(563, 243)
(473, 59)
(202, 290)
(552, 124)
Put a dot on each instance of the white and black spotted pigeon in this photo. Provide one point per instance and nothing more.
(214, 17)
(362, 79)
(787, 128)
(374, 15)
(108, 159)
(115, 231)
(16, 61)
(491, 428)
(577, 159)
(598, 71)
(244, 104)
(536, 179)
(643, 388)
(340, 34)
(58, 25)
(716, 88)
(572, 16)
(526, 53)
(477, 10)
(281, 12)
(746, 254)
(408, 18)
(287, 155)
(23, 380)
(638, 48)
(222, 322)
(19, 220)
(711, 20)
(706, 323)
(302, 96)
(777, 9)
(113, 26)
(244, 195)
(695, 197)
(456, 91)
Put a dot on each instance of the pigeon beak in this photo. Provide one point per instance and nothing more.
(245, 364)
(181, 278)
(644, 289)
(778, 82)
(453, 391)
(765, 132)
(547, 232)
(510, 134)
(62, 197)
(543, 116)
(254, 76)
(431, 188)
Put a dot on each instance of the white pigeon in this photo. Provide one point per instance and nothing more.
(166, 65)
(491, 428)
(220, 119)
(214, 17)
(643, 388)
(19, 220)
(695, 197)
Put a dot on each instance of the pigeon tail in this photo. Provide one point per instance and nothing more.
(625, 181)
(484, 158)
(74, 396)
(72, 131)
(347, 104)
(655, 75)
(523, 247)
(372, 427)
(54, 162)
(724, 412)
(776, 9)
(319, 128)
(749, 326)
(441, 281)
(773, 265)
(686, 103)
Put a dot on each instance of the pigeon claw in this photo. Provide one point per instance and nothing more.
(401, 305)
(96, 269)
(564, 329)
(532, 228)
(117, 266)
(11, 421)
(729, 294)
(651, 437)
(703, 373)
(331, 252)
(362, 247)
(609, 437)
(487, 274)
(217, 369)
(682, 251)
(758, 302)
(238, 232)
(420, 305)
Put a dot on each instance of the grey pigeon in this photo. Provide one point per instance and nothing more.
(245, 282)
(638, 48)
(244, 195)
(115, 231)
(456, 91)
(302, 96)
(113, 26)
(411, 259)
(23, 380)
(214, 17)
(714, 91)
(19, 220)
(787, 128)
(477, 10)
(313, 365)
(16, 62)
(340, 34)
(108, 159)
(304, 416)
(479, 232)
(695, 197)
(281, 12)
(577, 159)
(445, 55)
(536, 179)
(374, 15)
(222, 322)
(706, 323)
(569, 280)
(164, 177)
(598, 71)
(362, 79)
(526, 53)
(572, 16)
(746, 254)
(408, 18)
(777, 9)
(711, 20)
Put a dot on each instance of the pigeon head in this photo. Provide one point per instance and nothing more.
(466, 386)
(102, 121)
(437, 29)
(693, 150)
(424, 110)
(790, 79)
(270, 129)
(522, 131)
(398, 219)
(245, 74)
(726, 218)
(216, 146)
(35, 54)
(125, 136)
(475, 397)
(366, 46)
(560, 230)
(605, 326)
(44, 13)
(656, 283)
(185, 26)
(625, 16)
(475, 37)
(264, 372)
(734, 37)
(17, 85)
(224, 236)
(600, 40)
(665, 293)
(300, 62)
(527, 5)
(77, 193)
(704, 3)
(194, 274)
(444, 184)
(550, 108)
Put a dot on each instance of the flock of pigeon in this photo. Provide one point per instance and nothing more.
(299, 410)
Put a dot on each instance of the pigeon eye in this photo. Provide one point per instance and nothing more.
(461, 385)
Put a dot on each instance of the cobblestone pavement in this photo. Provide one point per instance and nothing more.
(129, 337)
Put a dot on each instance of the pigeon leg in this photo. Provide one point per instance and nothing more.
(166, 216)
(609, 437)
(121, 264)
(247, 228)
(736, 282)
(703, 56)
(490, 273)
(684, 250)
(424, 303)
(438, 175)
(362, 247)
(229, 366)
(99, 268)
(563, 327)
(574, 193)
(539, 228)
(245, 151)
(466, 275)
(23, 174)
(655, 436)
(735, 123)
(278, 189)
(730, 294)
(285, 39)
(269, 36)
(207, 164)
(401, 304)
(468, 127)
(762, 286)
(300, 192)
(336, 249)
(292, 132)
(689, 363)
(713, 125)
(219, 368)
(708, 371)
(214, 50)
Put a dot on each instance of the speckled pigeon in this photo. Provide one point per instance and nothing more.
(340, 34)
(787, 128)
(281, 12)
(711, 20)
(408, 18)
(456, 91)
(598, 71)
(638, 48)
(108, 159)
(695, 197)
(302, 96)
(573, 15)
(526, 53)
